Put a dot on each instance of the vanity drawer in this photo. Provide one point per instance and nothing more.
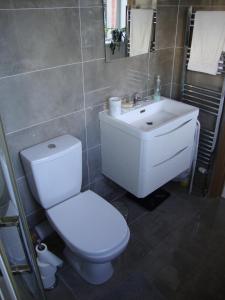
(161, 173)
(166, 143)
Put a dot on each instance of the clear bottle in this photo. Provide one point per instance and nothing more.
(157, 88)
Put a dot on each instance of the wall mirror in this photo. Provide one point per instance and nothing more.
(129, 27)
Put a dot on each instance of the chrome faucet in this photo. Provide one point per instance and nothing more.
(137, 97)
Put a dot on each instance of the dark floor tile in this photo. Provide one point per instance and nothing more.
(107, 189)
(153, 228)
(136, 287)
(123, 267)
(135, 211)
(61, 291)
(132, 256)
(176, 252)
(150, 229)
(80, 288)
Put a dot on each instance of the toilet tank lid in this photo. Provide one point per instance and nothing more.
(50, 149)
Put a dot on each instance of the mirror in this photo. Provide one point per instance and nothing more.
(129, 27)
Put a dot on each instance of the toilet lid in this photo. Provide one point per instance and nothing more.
(89, 224)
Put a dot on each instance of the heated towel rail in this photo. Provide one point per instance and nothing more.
(209, 102)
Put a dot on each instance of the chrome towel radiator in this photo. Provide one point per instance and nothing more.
(210, 102)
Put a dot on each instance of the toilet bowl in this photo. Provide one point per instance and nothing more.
(93, 230)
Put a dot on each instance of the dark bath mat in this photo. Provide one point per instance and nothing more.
(153, 200)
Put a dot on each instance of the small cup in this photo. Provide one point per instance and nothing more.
(114, 106)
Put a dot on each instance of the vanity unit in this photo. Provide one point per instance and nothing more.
(144, 148)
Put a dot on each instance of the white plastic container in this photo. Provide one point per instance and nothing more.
(46, 269)
(48, 257)
(115, 105)
(48, 281)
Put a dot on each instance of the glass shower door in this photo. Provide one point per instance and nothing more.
(19, 278)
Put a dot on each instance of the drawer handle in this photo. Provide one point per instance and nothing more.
(176, 154)
(168, 132)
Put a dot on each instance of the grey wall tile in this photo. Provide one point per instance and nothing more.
(35, 39)
(9, 4)
(99, 96)
(85, 179)
(73, 124)
(181, 26)
(86, 3)
(161, 63)
(209, 7)
(94, 161)
(29, 203)
(92, 33)
(93, 125)
(122, 76)
(166, 90)
(176, 91)
(39, 96)
(167, 2)
(202, 2)
(96, 75)
(36, 218)
(166, 26)
(178, 65)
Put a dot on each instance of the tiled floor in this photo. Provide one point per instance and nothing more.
(176, 251)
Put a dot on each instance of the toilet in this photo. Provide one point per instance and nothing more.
(93, 230)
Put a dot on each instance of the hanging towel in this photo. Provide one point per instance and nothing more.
(208, 41)
(140, 30)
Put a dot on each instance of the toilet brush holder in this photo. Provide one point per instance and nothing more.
(46, 269)
(49, 282)
(47, 272)
(46, 256)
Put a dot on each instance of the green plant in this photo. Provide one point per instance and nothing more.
(117, 36)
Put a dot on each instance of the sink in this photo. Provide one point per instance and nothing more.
(154, 120)
(151, 115)
(145, 147)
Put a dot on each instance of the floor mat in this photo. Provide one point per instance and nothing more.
(153, 200)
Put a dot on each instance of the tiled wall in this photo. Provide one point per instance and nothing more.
(54, 79)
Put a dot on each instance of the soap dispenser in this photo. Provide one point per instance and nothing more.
(157, 88)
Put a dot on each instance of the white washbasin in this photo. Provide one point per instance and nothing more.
(146, 147)
(151, 116)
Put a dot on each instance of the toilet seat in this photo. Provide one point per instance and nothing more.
(104, 231)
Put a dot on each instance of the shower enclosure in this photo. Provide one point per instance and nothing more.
(19, 278)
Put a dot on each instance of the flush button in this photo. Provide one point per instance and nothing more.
(51, 146)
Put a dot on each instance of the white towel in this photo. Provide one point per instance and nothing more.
(140, 30)
(208, 41)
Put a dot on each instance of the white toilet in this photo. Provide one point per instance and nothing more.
(93, 230)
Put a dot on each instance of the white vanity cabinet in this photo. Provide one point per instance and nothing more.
(148, 146)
